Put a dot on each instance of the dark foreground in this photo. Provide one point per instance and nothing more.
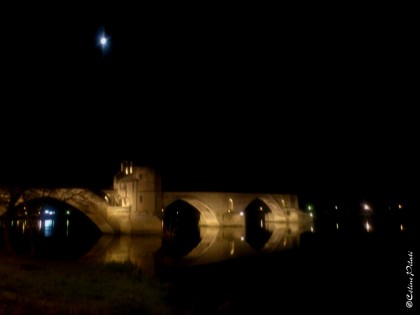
(38, 287)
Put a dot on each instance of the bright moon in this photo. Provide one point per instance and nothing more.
(103, 40)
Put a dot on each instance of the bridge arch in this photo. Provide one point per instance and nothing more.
(277, 213)
(85, 201)
(207, 216)
(59, 211)
(257, 233)
(93, 215)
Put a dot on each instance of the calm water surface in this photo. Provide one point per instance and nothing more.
(340, 262)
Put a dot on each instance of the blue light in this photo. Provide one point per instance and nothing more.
(103, 41)
(49, 225)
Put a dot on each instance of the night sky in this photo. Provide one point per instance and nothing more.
(276, 99)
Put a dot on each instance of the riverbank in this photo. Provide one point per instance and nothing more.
(45, 287)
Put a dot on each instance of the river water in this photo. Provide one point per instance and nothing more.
(336, 264)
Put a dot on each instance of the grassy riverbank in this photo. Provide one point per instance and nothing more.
(38, 287)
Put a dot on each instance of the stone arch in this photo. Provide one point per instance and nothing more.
(256, 231)
(207, 216)
(85, 201)
(93, 215)
(277, 213)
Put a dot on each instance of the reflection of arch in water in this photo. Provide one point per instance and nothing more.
(207, 216)
(257, 232)
(278, 238)
(138, 250)
(219, 244)
(208, 238)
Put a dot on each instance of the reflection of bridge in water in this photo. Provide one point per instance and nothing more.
(215, 245)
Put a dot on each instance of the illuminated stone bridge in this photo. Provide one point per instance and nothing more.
(136, 204)
(228, 209)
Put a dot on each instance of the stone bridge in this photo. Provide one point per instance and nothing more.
(227, 209)
(136, 202)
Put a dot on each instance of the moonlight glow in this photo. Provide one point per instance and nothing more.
(103, 40)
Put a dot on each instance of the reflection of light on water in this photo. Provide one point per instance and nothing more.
(67, 227)
(312, 229)
(232, 247)
(401, 227)
(40, 225)
(261, 223)
(49, 224)
(368, 226)
(336, 225)
(217, 244)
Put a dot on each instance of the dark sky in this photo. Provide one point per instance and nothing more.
(275, 99)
